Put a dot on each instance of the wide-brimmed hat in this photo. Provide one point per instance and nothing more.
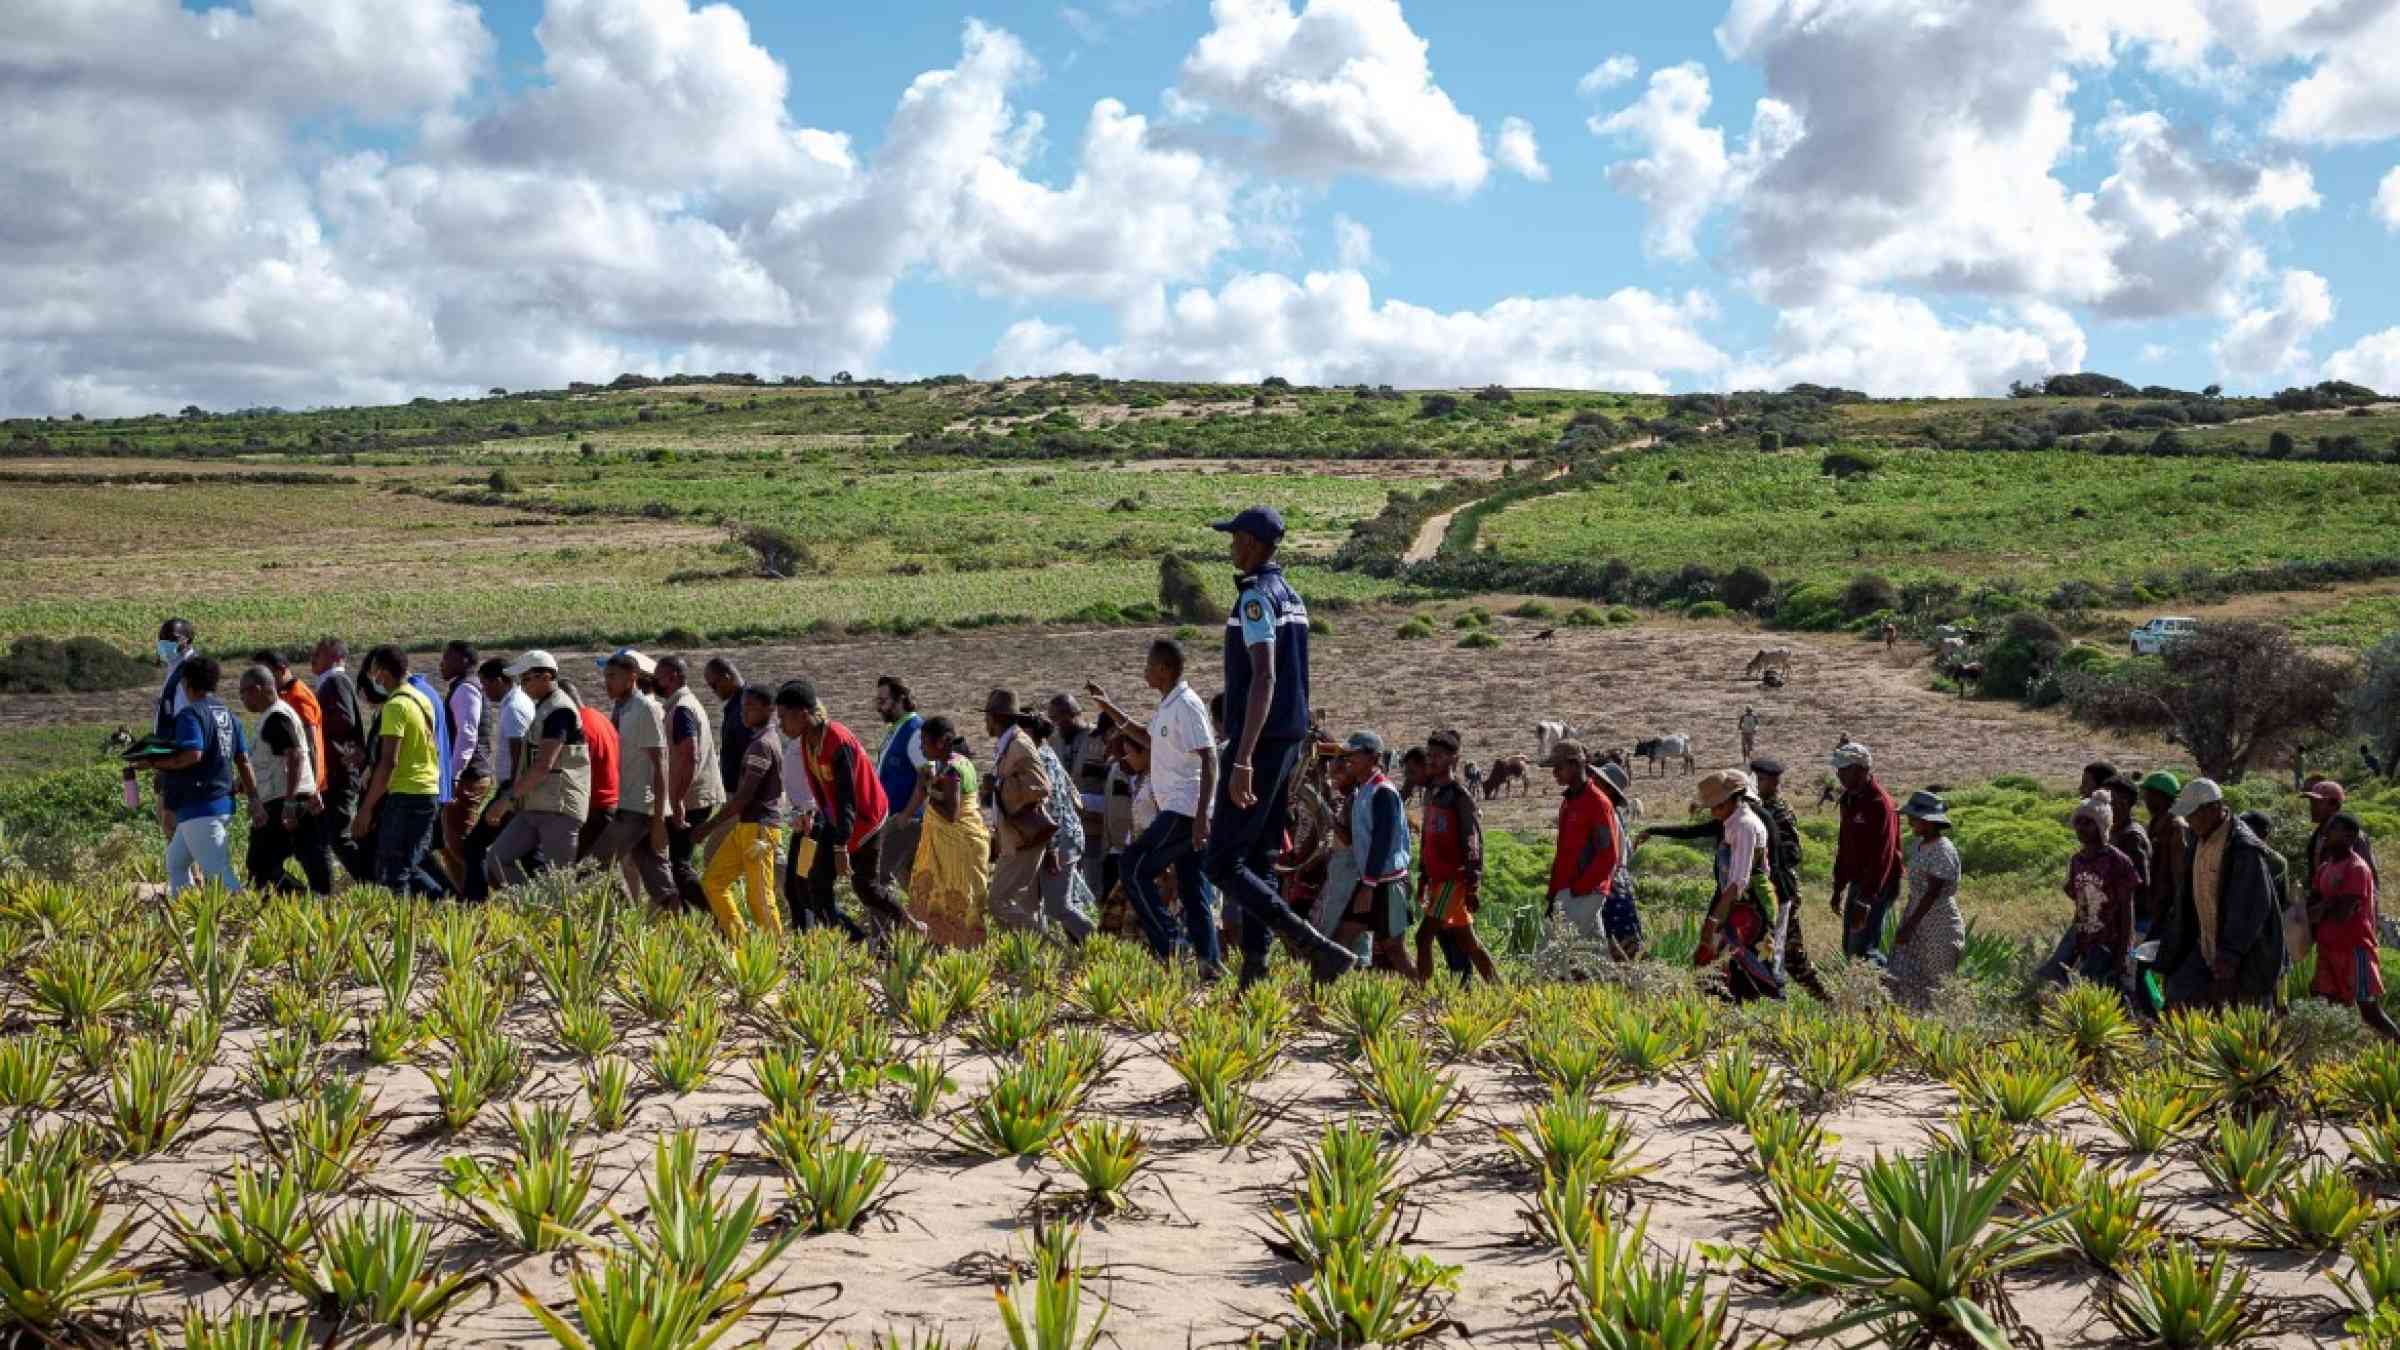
(1612, 775)
(1721, 787)
(1927, 806)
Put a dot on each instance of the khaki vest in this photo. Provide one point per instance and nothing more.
(707, 791)
(567, 789)
(267, 766)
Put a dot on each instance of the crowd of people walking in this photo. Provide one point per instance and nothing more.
(1207, 825)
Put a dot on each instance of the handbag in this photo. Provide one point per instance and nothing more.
(1033, 823)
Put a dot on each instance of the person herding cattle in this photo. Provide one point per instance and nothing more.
(1748, 726)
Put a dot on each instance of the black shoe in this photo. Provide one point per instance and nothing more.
(1332, 961)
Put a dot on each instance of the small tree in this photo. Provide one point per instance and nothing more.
(1437, 405)
(2231, 693)
(1183, 591)
(1770, 441)
(2374, 705)
(779, 552)
(2029, 647)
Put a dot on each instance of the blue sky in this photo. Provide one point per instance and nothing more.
(348, 199)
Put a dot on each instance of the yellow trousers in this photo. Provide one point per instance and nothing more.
(747, 853)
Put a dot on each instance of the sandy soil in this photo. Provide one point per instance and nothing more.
(1190, 1267)
(1616, 685)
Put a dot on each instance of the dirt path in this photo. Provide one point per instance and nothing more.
(1429, 536)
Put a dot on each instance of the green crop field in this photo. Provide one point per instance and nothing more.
(2037, 517)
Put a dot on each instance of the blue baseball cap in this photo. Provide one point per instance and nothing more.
(1259, 522)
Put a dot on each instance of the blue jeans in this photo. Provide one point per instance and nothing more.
(404, 832)
(200, 842)
(1168, 843)
(1862, 921)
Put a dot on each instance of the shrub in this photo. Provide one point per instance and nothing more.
(1532, 609)
(1437, 405)
(2207, 688)
(1479, 640)
(779, 552)
(1769, 441)
(1708, 609)
(1745, 588)
(1620, 614)
(1867, 593)
(40, 665)
(1846, 464)
(2028, 649)
(1418, 627)
(501, 481)
(1584, 616)
(2279, 445)
(1494, 393)
(1183, 590)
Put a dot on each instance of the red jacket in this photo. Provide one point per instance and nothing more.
(600, 740)
(841, 776)
(1867, 853)
(1589, 843)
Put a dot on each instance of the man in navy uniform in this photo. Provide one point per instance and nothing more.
(1266, 727)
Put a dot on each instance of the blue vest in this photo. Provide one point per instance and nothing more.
(164, 722)
(1378, 797)
(895, 772)
(209, 782)
(1265, 598)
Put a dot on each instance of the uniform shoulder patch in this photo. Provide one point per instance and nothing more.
(1253, 609)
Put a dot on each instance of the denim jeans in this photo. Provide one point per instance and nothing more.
(1863, 919)
(404, 835)
(201, 843)
(1168, 843)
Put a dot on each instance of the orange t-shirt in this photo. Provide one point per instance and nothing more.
(303, 701)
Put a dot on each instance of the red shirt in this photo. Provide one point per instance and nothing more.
(1452, 844)
(841, 776)
(2345, 883)
(600, 741)
(1589, 844)
(1867, 853)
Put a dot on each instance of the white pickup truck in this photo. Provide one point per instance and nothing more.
(2151, 637)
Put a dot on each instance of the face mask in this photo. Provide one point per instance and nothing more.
(382, 690)
(169, 649)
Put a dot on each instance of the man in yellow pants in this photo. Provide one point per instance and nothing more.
(750, 825)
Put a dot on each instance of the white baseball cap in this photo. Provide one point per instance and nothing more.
(530, 661)
(2197, 793)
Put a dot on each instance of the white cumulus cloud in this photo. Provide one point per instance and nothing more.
(1517, 151)
(1684, 170)
(1891, 345)
(1340, 87)
(2387, 200)
(2373, 361)
(1616, 70)
(1327, 328)
(2270, 340)
(1353, 244)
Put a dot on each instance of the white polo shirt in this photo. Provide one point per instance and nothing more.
(1179, 731)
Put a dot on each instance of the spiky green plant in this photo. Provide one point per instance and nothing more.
(1363, 1010)
(2375, 1146)
(29, 1069)
(2372, 1283)
(1051, 1316)
(787, 1075)
(309, 1008)
(2369, 1083)
(390, 1034)
(2091, 1020)
(537, 1202)
(1778, 1133)
(1157, 1010)
(1732, 1086)
(1919, 1247)
(2148, 1114)
(865, 1053)
(1026, 1107)
(2023, 1092)
(2170, 1299)
(1104, 1157)
(1623, 1298)
(1029, 958)
(1102, 989)
(685, 1057)
(924, 1080)
(97, 1044)
(1397, 1079)
(1642, 1046)
(1009, 1023)
(926, 1011)
(85, 980)
(284, 1064)
(1569, 1130)
(661, 977)
(1567, 1210)
(963, 977)
(1372, 1296)
(2112, 1221)
(198, 1034)
(836, 1186)
(390, 966)
(1229, 1116)
(327, 1142)
(250, 1228)
(2053, 1177)
(821, 1015)
(544, 1127)
(2317, 1210)
(690, 1287)
(482, 1067)
(151, 1094)
(238, 1329)
(57, 1258)
(608, 1086)
(1473, 1020)
(2247, 1161)
(585, 1028)
(372, 1265)
(1567, 1061)
(1980, 1137)
(2241, 1057)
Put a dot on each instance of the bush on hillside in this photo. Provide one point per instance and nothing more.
(1867, 593)
(1479, 640)
(1846, 464)
(1437, 405)
(2232, 694)
(1183, 590)
(40, 665)
(1745, 588)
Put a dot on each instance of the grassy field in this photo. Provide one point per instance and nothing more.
(2037, 518)
(2358, 623)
